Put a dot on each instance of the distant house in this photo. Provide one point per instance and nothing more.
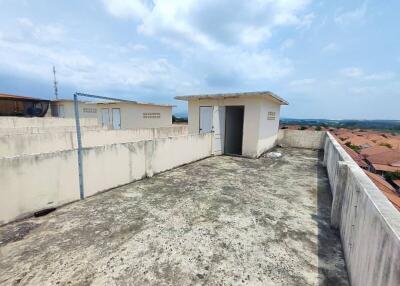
(373, 150)
(16, 105)
(360, 141)
(356, 157)
(386, 188)
(388, 161)
(243, 123)
(117, 115)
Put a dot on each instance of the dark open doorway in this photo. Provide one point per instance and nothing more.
(234, 129)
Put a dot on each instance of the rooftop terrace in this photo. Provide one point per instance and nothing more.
(221, 220)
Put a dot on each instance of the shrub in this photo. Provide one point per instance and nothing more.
(318, 128)
(303, 127)
(353, 147)
(386, 145)
(392, 175)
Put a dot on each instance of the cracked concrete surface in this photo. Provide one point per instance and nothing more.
(219, 221)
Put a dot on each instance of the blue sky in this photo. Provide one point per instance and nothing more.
(329, 59)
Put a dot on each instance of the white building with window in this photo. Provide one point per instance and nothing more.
(243, 123)
(116, 114)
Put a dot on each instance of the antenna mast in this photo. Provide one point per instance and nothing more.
(55, 83)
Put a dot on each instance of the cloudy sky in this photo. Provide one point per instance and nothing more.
(329, 59)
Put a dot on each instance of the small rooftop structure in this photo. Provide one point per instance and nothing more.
(243, 123)
(113, 114)
(16, 105)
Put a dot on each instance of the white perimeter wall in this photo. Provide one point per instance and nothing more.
(34, 182)
(43, 122)
(26, 144)
(369, 224)
(301, 138)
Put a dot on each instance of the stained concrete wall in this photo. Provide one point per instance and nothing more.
(26, 144)
(301, 138)
(43, 122)
(369, 224)
(34, 182)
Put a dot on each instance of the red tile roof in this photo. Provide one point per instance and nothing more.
(356, 157)
(360, 141)
(385, 158)
(386, 188)
(385, 168)
(373, 150)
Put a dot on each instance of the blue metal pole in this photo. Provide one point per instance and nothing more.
(78, 135)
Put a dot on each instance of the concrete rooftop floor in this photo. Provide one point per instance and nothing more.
(219, 221)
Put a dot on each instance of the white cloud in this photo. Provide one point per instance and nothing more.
(352, 72)
(302, 82)
(357, 73)
(128, 8)
(35, 57)
(330, 48)
(353, 16)
(211, 23)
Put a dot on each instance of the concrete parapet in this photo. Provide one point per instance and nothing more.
(301, 138)
(369, 224)
(34, 182)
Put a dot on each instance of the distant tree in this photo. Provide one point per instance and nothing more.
(353, 147)
(318, 128)
(389, 176)
(303, 127)
(284, 127)
(386, 145)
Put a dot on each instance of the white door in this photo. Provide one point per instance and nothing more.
(206, 115)
(219, 129)
(105, 117)
(61, 111)
(116, 118)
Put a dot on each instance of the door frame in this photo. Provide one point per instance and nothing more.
(244, 108)
(120, 118)
(212, 126)
(102, 122)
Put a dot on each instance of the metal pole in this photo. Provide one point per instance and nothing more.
(78, 135)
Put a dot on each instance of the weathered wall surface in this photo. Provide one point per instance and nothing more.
(369, 224)
(301, 138)
(26, 144)
(43, 122)
(34, 182)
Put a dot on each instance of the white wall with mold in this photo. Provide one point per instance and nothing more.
(9, 122)
(369, 224)
(25, 144)
(301, 138)
(34, 182)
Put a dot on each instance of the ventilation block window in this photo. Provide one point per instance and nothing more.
(151, 115)
(271, 115)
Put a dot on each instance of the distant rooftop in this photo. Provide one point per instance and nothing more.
(266, 94)
(114, 102)
(19, 97)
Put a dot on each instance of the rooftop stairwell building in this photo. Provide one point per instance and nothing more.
(243, 123)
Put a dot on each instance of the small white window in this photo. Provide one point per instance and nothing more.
(89, 110)
(271, 115)
(151, 115)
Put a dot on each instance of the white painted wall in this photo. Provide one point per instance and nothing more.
(43, 122)
(27, 144)
(258, 134)
(268, 128)
(369, 224)
(34, 182)
(301, 138)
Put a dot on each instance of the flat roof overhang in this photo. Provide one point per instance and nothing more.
(265, 94)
